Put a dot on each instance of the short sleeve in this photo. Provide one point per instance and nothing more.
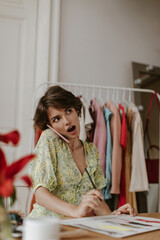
(43, 167)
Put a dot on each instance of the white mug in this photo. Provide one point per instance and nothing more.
(45, 228)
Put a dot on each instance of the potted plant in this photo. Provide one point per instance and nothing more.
(8, 174)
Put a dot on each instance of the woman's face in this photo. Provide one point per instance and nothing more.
(65, 121)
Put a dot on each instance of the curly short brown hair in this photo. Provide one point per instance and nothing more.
(56, 97)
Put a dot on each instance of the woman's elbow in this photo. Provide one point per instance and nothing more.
(39, 195)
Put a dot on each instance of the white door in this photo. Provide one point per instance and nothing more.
(17, 73)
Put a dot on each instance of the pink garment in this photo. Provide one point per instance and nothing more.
(117, 148)
(100, 133)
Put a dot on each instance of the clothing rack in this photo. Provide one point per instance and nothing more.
(102, 93)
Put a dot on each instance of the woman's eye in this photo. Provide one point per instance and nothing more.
(56, 119)
(69, 110)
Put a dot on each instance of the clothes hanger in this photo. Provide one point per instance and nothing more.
(101, 102)
(86, 97)
(114, 98)
(124, 102)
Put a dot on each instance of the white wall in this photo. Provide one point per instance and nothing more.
(100, 38)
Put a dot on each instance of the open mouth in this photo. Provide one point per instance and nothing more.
(71, 129)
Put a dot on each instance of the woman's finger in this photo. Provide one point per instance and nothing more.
(134, 212)
(95, 192)
(91, 198)
(131, 210)
(127, 208)
(87, 206)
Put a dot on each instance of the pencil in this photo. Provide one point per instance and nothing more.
(90, 178)
(91, 181)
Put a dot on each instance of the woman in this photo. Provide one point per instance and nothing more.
(61, 185)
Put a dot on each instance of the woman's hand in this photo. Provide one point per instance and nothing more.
(127, 208)
(91, 201)
(103, 208)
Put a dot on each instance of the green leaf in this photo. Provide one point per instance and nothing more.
(2, 201)
(13, 198)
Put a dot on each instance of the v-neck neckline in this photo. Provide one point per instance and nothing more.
(73, 162)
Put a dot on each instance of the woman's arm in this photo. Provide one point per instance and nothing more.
(89, 202)
(51, 202)
(93, 200)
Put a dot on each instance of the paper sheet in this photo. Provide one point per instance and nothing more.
(115, 225)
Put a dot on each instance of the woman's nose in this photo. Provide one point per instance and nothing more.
(66, 120)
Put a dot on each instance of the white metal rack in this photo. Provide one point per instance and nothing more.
(102, 93)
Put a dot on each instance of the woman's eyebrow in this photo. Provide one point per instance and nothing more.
(67, 108)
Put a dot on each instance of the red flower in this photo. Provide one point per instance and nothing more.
(8, 173)
(12, 137)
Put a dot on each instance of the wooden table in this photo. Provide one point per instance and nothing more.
(154, 235)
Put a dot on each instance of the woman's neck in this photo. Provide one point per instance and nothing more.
(74, 144)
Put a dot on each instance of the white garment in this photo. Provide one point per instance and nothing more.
(152, 198)
(139, 179)
(85, 121)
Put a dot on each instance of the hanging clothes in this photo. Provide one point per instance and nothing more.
(108, 170)
(93, 125)
(123, 128)
(130, 196)
(100, 132)
(122, 199)
(85, 121)
(139, 179)
(116, 146)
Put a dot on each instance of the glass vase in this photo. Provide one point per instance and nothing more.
(5, 225)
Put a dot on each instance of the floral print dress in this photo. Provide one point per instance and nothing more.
(54, 168)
